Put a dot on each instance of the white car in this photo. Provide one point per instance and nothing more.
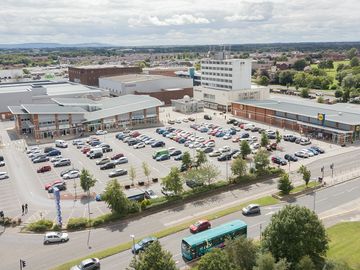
(32, 149)
(150, 194)
(55, 159)
(101, 132)
(185, 120)
(311, 154)
(254, 139)
(178, 121)
(171, 149)
(55, 237)
(254, 145)
(215, 154)
(210, 144)
(201, 139)
(71, 175)
(139, 145)
(151, 141)
(34, 153)
(121, 160)
(76, 141)
(227, 137)
(3, 175)
(225, 149)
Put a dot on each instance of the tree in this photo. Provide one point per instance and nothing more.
(132, 175)
(305, 93)
(214, 260)
(306, 174)
(186, 159)
(266, 261)
(245, 149)
(351, 53)
(209, 172)
(278, 136)
(153, 258)
(115, 197)
(299, 65)
(146, 170)
(200, 158)
(346, 95)
(264, 81)
(173, 181)
(305, 264)
(354, 62)
(261, 160)
(338, 93)
(320, 100)
(286, 77)
(284, 184)
(239, 167)
(264, 141)
(301, 230)
(87, 181)
(242, 252)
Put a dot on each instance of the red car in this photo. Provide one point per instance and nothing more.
(200, 226)
(49, 185)
(117, 156)
(85, 149)
(43, 169)
(135, 134)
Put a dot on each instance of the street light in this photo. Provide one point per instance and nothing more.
(133, 247)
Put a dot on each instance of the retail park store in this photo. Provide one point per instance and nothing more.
(338, 123)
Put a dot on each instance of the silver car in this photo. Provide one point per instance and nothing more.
(55, 237)
(88, 264)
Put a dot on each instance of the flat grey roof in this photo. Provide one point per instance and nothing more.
(341, 112)
(123, 104)
(74, 101)
(137, 78)
(51, 109)
(69, 88)
(98, 66)
(17, 110)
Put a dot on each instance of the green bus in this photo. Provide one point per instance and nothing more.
(194, 246)
(160, 153)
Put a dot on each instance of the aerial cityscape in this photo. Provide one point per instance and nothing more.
(192, 135)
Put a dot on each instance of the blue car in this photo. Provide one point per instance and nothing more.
(158, 144)
(315, 152)
(182, 140)
(244, 135)
(95, 143)
(163, 157)
(165, 133)
(53, 153)
(220, 134)
(143, 244)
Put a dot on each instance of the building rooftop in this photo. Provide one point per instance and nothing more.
(341, 113)
(74, 101)
(51, 109)
(98, 66)
(137, 78)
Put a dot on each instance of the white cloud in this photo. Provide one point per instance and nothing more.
(176, 19)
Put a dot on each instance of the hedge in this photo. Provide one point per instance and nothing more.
(40, 225)
(77, 224)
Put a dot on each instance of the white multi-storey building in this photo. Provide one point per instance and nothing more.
(226, 80)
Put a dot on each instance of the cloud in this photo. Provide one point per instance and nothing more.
(176, 19)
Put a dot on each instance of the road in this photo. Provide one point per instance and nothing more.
(32, 250)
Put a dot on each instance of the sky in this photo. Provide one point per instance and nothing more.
(178, 22)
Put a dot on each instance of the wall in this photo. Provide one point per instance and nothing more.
(167, 96)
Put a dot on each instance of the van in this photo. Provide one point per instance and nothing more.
(94, 152)
(61, 143)
(160, 153)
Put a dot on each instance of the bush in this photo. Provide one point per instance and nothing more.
(144, 204)
(134, 207)
(98, 221)
(40, 225)
(6, 221)
(56, 227)
(77, 224)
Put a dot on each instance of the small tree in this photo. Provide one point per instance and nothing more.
(200, 158)
(132, 175)
(305, 264)
(173, 181)
(214, 260)
(239, 167)
(305, 93)
(146, 170)
(245, 149)
(242, 252)
(87, 181)
(306, 174)
(264, 141)
(115, 197)
(320, 100)
(209, 172)
(186, 159)
(154, 257)
(261, 160)
(264, 80)
(338, 93)
(284, 184)
(265, 261)
(278, 136)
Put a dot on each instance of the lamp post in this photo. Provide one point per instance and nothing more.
(133, 240)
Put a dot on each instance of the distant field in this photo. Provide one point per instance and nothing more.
(345, 243)
(332, 72)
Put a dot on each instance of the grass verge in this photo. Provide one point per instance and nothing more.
(264, 201)
(303, 187)
(345, 243)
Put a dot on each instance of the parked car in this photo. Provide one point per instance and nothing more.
(158, 144)
(110, 165)
(150, 194)
(62, 162)
(49, 185)
(167, 192)
(178, 157)
(301, 154)
(3, 175)
(208, 150)
(163, 157)
(118, 172)
(40, 159)
(57, 158)
(103, 161)
(2, 163)
(96, 155)
(43, 169)
(117, 156)
(121, 160)
(175, 153)
(143, 244)
(55, 237)
(67, 171)
(215, 154)
(305, 141)
(318, 149)
(289, 157)
(53, 153)
(251, 209)
(101, 132)
(207, 117)
(279, 160)
(139, 145)
(224, 157)
(61, 186)
(61, 144)
(200, 226)
(71, 175)
(88, 264)
(191, 183)
(46, 149)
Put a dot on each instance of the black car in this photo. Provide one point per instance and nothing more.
(289, 157)
(208, 150)
(293, 139)
(244, 135)
(207, 117)
(255, 129)
(184, 168)
(110, 165)
(158, 144)
(133, 142)
(193, 183)
(318, 149)
(233, 152)
(97, 155)
(224, 157)
(175, 153)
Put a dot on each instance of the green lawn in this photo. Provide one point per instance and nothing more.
(345, 243)
(303, 187)
(332, 72)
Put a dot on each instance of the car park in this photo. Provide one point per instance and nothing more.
(60, 186)
(118, 172)
(121, 160)
(107, 166)
(251, 209)
(87, 264)
(62, 162)
(71, 175)
(143, 244)
(55, 237)
(200, 226)
(43, 169)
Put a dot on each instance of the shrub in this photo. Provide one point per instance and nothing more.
(144, 204)
(77, 224)
(134, 207)
(56, 227)
(40, 225)
(6, 221)
(97, 222)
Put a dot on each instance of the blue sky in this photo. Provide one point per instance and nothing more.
(178, 22)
